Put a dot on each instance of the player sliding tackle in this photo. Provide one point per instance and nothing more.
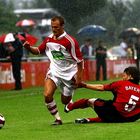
(125, 106)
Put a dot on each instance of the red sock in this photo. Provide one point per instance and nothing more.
(82, 103)
(94, 119)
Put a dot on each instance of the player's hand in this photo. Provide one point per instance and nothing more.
(26, 45)
(74, 83)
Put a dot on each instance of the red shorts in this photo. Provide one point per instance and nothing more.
(108, 113)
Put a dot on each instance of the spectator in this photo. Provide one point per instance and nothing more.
(137, 47)
(130, 50)
(101, 54)
(3, 52)
(87, 49)
(25, 51)
(15, 51)
(123, 47)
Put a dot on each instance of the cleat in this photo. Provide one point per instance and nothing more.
(82, 120)
(57, 122)
(66, 109)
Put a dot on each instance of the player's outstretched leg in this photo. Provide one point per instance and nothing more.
(82, 103)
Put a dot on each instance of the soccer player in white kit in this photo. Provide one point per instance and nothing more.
(66, 65)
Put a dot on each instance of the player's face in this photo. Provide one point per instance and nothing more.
(57, 29)
(125, 76)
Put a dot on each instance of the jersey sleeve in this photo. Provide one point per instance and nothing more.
(74, 49)
(42, 46)
(112, 86)
(78, 52)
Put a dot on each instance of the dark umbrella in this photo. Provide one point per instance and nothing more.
(92, 30)
(129, 32)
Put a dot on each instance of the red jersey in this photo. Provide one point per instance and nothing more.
(126, 97)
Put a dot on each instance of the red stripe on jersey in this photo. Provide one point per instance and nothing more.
(74, 50)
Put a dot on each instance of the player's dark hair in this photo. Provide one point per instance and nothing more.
(60, 18)
(134, 72)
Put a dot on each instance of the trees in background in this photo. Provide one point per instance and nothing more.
(115, 16)
(109, 14)
(41, 4)
(76, 10)
(132, 17)
(7, 17)
(112, 16)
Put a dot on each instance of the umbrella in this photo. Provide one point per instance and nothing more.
(2, 38)
(92, 30)
(129, 32)
(5, 38)
(25, 22)
(31, 39)
(28, 37)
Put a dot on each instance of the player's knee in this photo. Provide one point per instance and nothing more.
(48, 97)
(91, 102)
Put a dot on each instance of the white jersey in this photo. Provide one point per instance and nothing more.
(63, 53)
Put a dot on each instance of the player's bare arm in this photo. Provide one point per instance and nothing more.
(79, 72)
(31, 49)
(92, 86)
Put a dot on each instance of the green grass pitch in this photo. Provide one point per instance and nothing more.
(28, 119)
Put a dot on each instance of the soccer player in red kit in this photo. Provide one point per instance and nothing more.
(125, 106)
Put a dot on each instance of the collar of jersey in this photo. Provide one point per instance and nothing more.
(61, 36)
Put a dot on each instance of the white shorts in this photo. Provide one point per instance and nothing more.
(66, 87)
